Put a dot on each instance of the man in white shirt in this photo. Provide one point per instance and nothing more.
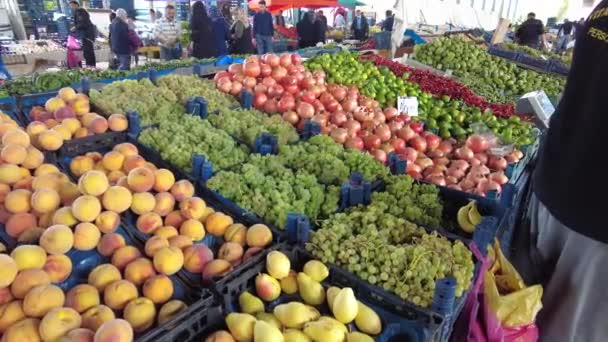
(168, 33)
(339, 22)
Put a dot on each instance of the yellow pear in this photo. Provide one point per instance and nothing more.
(367, 320)
(316, 270)
(345, 306)
(277, 265)
(356, 336)
(289, 284)
(269, 318)
(324, 331)
(241, 326)
(266, 332)
(335, 322)
(295, 314)
(311, 291)
(295, 335)
(250, 304)
(332, 292)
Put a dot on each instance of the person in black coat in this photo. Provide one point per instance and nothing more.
(240, 33)
(387, 24)
(87, 33)
(306, 31)
(360, 27)
(202, 32)
(320, 27)
(120, 42)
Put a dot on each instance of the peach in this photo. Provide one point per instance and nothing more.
(81, 106)
(140, 179)
(50, 140)
(231, 252)
(217, 223)
(103, 275)
(150, 166)
(87, 118)
(251, 252)
(53, 181)
(58, 267)
(63, 131)
(193, 229)
(19, 223)
(9, 270)
(169, 310)
(140, 313)
(24, 330)
(113, 160)
(124, 255)
(132, 162)
(41, 299)
(158, 289)
(259, 235)
(155, 243)
(86, 208)
(86, 236)
(164, 203)
(95, 156)
(117, 199)
(116, 330)
(27, 280)
(93, 183)
(216, 268)
(33, 159)
(5, 295)
(69, 192)
(115, 176)
(57, 239)
(58, 322)
(18, 201)
(82, 297)
(122, 181)
(196, 257)
(51, 122)
(192, 208)
(127, 149)
(71, 124)
(109, 243)
(164, 180)
(180, 241)
(9, 174)
(46, 220)
(31, 235)
(118, 122)
(94, 317)
(149, 222)
(168, 260)
(139, 270)
(45, 169)
(63, 113)
(5, 189)
(4, 214)
(208, 211)
(236, 232)
(107, 221)
(24, 183)
(81, 133)
(45, 200)
(29, 256)
(34, 128)
(7, 126)
(64, 216)
(118, 293)
(98, 125)
(79, 335)
(67, 94)
(10, 313)
(13, 154)
(16, 136)
(174, 219)
(182, 189)
(166, 232)
(80, 165)
(143, 202)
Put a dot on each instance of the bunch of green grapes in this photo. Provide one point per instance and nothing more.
(392, 253)
(178, 140)
(187, 86)
(154, 104)
(249, 124)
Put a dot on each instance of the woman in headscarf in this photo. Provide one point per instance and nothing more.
(221, 32)
(226, 14)
(87, 33)
(306, 31)
(202, 32)
(120, 42)
(241, 34)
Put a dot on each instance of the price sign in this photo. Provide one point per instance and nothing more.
(408, 105)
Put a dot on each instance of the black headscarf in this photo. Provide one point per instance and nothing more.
(202, 31)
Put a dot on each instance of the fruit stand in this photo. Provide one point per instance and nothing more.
(267, 200)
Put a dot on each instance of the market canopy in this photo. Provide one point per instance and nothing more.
(276, 6)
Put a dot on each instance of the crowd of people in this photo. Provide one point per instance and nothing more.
(531, 33)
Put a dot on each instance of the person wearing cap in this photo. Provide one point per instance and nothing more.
(530, 32)
(263, 29)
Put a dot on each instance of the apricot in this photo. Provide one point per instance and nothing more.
(10, 313)
(168, 260)
(50, 140)
(196, 257)
(81, 165)
(93, 183)
(33, 159)
(19, 223)
(86, 208)
(96, 316)
(193, 229)
(64, 131)
(164, 180)
(117, 199)
(140, 313)
(103, 275)
(143, 202)
(182, 189)
(118, 122)
(16, 136)
(149, 222)
(82, 297)
(64, 216)
(57, 239)
(139, 270)
(23, 330)
(170, 309)
(69, 192)
(109, 243)
(86, 236)
(58, 322)
(27, 280)
(124, 255)
(9, 270)
(132, 162)
(180, 241)
(115, 176)
(153, 244)
(116, 330)
(79, 335)
(175, 219)
(98, 125)
(107, 221)
(9, 174)
(31, 235)
(118, 293)
(13, 154)
(29, 256)
(217, 223)
(158, 288)
(236, 232)
(164, 203)
(72, 124)
(258, 235)
(127, 149)
(42, 299)
(58, 267)
(18, 201)
(166, 232)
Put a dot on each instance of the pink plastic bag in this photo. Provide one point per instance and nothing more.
(478, 323)
(73, 43)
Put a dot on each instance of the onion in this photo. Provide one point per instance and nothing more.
(464, 153)
(236, 88)
(249, 82)
(413, 167)
(454, 186)
(235, 68)
(395, 126)
(332, 106)
(292, 89)
(338, 118)
(321, 119)
(371, 142)
(305, 110)
(390, 113)
(285, 60)
(497, 163)
(292, 69)
(460, 164)
(410, 154)
(406, 133)
(275, 91)
(259, 99)
(418, 127)
(221, 74)
(287, 103)
(477, 143)
(291, 117)
(339, 135)
(238, 77)
(319, 73)
(456, 173)
(339, 93)
(467, 184)
(349, 105)
(475, 162)
(380, 156)
(480, 169)
(485, 185)
(296, 59)
(433, 170)
(353, 126)
(419, 143)
(432, 141)
(317, 90)
(383, 132)
(445, 147)
(424, 162)
(270, 106)
(436, 154)
(379, 117)
(251, 69)
(415, 175)
(265, 70)
(499, 177)
(307, 83)
(289, 80)
(482, 157)
(318, 106)
(260, 88)
(436, 179)
(224, 85)
(271, 59)
(451, 180)
(278, 73)
(269, 81)
(398, 144)
(387, 147)
(354, 143)
(441, 161)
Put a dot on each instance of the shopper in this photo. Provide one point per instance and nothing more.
(306, 31)
(221, 31)
(152, 16)
(74, 6)
(263, 29)
(202, 32)
(565, 36)
(569, 233)
(168, 33)
(320, 27)
(360, 26)
(339, 21)
(530, 32)
(241, 34)
(226, 14)
(87, 32)
(120, 43)
(134, 40)
(578, 27)
(387, 24)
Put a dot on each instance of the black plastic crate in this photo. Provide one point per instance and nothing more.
(503, 53)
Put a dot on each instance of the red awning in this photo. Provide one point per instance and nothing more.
(276, 6)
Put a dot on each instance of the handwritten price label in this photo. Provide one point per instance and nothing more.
(408, 105)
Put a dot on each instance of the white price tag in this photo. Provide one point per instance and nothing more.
(408, 105)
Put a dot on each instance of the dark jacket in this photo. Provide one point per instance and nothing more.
(306, 32)
(529, 32)
(221, 35)
(202, 34)
(320, 29)
(262, 24)
(241, 38)
(362, 32)
(120, 42)
(387, 25)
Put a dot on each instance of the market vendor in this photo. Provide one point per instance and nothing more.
(569, 233)
(530, 32)
(168, 32)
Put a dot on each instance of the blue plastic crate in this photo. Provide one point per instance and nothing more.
(399, 322)
(8, 105)
(503, 53)
(27, 102)
(382, 40)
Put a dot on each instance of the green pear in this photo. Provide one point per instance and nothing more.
(345, 306)
(316, 270)
(367, 320)
(311, 291)
(277, 264)
(250, 304)
(266, 332)
(241, 326)
(332, 292)
(269, 318)
(295, 314)
(294, 335)
(324, 331)
(356, 336)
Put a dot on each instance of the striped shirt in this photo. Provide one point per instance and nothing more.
(167, 31)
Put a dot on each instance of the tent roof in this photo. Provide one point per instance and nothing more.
(276, 6)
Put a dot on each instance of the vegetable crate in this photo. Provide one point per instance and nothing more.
(399, 322)
(503, 53)
(26, 102)
(8, 105)
(531, 61)
(558, 67)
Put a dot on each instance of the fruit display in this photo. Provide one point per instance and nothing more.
(177, 141)
(265, 186)
(67, 116)
(313, 309)
(185, 87)
(501, 78)
(535, 52)
(392, 253)
(247, 125)
(468, 217)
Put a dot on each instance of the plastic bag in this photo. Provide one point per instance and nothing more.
(500, 307)
(73, 43)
